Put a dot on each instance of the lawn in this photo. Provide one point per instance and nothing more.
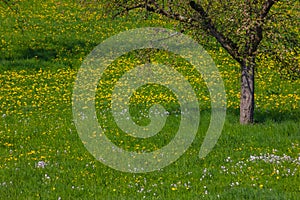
(43, 45)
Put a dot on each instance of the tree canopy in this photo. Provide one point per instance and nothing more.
(245, 29)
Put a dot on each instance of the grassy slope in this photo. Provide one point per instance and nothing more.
(37, 72)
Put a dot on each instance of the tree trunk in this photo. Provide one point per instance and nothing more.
(247, 90)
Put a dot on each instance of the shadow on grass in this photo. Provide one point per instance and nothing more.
(266, 116)
(61, 51)
(277, 116)
(40, 53)
(28, 64)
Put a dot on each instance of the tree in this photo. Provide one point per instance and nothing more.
(239, 26)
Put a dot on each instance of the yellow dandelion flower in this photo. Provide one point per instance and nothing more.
(261, 186)
(31, 152)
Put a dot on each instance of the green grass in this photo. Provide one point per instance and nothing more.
(74, 173)
(38, 68)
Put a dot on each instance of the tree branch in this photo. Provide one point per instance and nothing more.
(266, 8)
(255, 32)
(226, 42)
(257, 36)
(171, 15)
(152, 6)
(127, 9)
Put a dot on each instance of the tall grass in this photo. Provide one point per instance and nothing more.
(42, 156)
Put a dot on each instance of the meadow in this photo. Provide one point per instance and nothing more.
(42, 157)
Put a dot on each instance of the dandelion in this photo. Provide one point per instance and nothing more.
(173, 187)
(31, 152)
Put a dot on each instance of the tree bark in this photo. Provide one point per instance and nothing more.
(247, 90)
